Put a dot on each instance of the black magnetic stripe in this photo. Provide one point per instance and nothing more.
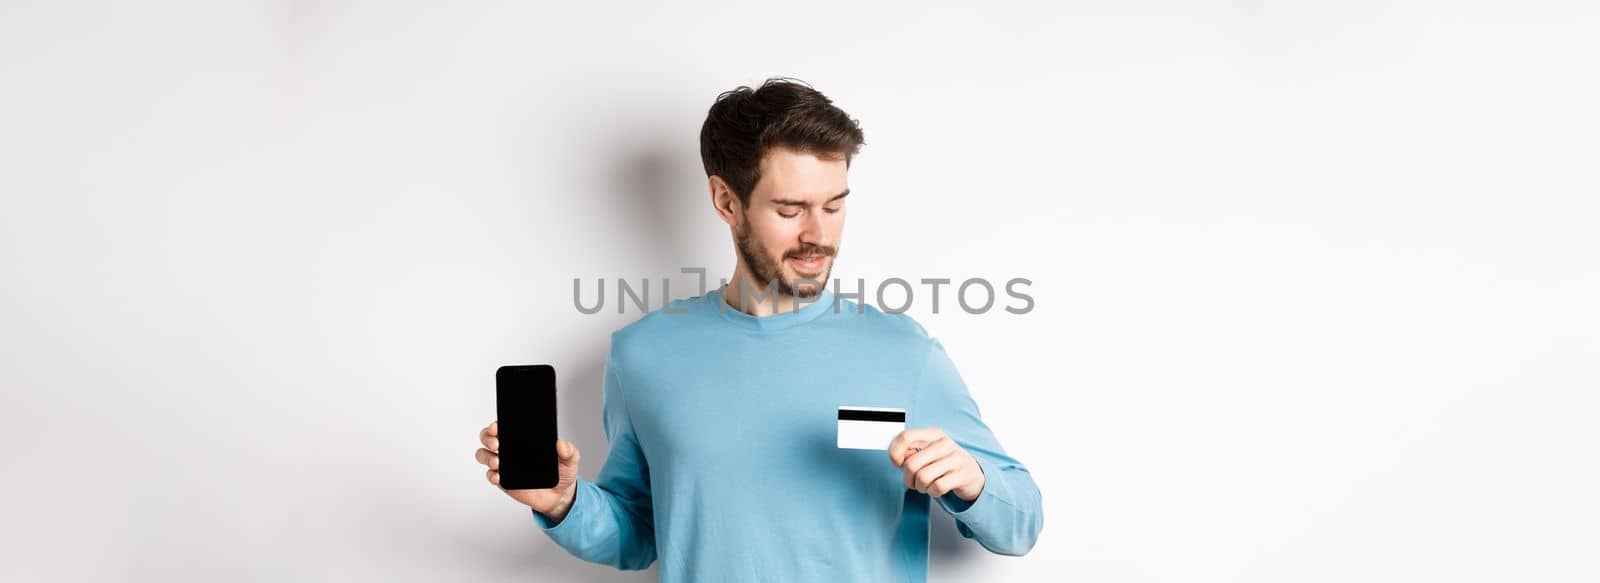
(859, 415)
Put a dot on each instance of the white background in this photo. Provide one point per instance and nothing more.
(1315, 281)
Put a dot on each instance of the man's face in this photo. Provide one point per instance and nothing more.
(792, 226)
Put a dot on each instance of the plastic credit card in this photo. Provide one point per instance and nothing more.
(869, 427)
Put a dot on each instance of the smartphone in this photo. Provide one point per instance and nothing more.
(525, 402)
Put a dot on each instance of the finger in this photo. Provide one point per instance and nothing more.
(488, 458)
(929, 452)
(899, 448)
(927, 434)
(917, 462)
(920, 460)
(489, 437)
(944, 484)
(493, 476)
(566, 451)
(932, 472)
(899, 456)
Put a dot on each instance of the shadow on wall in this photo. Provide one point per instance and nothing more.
(647, 192)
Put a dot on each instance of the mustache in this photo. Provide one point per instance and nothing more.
(812, 250)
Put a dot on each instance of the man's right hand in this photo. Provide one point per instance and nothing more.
(553, 503)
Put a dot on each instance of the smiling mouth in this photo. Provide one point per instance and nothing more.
(808, 264)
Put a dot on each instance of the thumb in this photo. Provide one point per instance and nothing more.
(566, 452)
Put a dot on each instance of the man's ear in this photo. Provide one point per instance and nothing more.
(724, 201)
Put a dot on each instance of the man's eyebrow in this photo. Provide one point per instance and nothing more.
(798, 202)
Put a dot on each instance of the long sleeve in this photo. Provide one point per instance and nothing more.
(611, 521)
(1007, 516)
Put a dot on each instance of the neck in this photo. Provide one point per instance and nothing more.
(743, 293)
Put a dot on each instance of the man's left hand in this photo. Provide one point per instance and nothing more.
(934, 464)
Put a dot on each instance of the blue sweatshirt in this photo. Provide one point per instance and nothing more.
(723, 464)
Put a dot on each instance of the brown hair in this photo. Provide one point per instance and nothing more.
(744, 124)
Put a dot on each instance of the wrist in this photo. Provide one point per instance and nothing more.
(558, 512)
(970, 494)
(973, 491)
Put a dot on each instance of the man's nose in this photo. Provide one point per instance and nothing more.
(813, 231)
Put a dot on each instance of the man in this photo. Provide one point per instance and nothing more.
(721, 410)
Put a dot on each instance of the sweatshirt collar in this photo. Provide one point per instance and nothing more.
(809, 310)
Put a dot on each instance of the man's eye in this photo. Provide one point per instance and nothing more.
(789, 216)
(831, 210)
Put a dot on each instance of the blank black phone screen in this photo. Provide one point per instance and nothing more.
(525, 400)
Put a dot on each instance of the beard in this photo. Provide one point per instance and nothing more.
(766, 270)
